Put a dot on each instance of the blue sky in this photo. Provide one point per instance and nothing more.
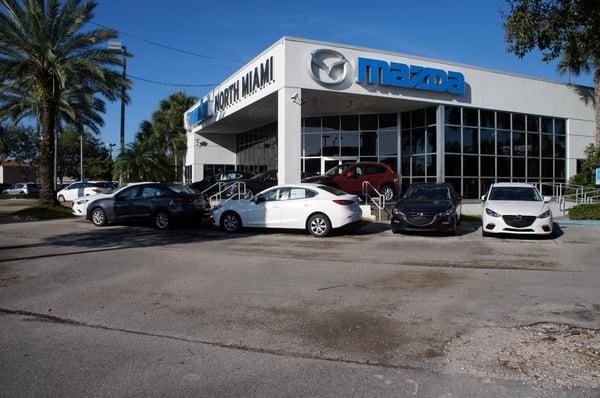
(468, 32)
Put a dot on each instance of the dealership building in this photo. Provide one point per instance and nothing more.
(306, 106)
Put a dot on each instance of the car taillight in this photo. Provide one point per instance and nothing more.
(343, 202)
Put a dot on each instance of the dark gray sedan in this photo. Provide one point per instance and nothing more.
(162, 204)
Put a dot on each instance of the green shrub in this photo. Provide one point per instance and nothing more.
(588, 211)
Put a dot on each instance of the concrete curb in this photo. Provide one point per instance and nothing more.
(565, 221)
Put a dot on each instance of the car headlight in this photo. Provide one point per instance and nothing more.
(449, 212)
(491, 212)
(545, 214)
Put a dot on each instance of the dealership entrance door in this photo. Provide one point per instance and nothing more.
(329, 162)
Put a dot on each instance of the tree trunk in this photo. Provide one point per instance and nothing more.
(46, 164)
(176, 166)
(597, 102)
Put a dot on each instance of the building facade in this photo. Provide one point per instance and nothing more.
(306, 106)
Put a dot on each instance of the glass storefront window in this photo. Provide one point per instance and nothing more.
(547, 125)
(388, 121)
(518, 167)
(560, 126)
(418, 165)
(392, 162)
(312, 145)
(488, 166)
(503, 142)
(331, 123)
(431, 165)
(349, 143)
(388, 143)
(533, 123)
(518, 122)
(547, 145)
(488, 141)
(368, 122)
(533, 144)
(418, 118)
(331, 143)
(518, 142)
(503, 164)
(503, 120)
(417, 140)
(559, 168)
(349, 122)
(312, 166)
(431, 139)
(533, 169)
(559, 146)
(452, 165)
(547, 168)
(405, 143)
(312, 125)
(452, 139)
(487, 119)
(470, 117)
(368, 143)
(470, 140)
(452, 115)
(470, 165)
(470, 188)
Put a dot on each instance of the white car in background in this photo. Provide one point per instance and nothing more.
(514, 208)
(82, 189)
(316, 208)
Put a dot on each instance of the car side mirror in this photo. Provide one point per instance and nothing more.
(483, 198)
(547, 199)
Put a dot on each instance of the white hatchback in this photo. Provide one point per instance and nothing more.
(316, 208)
(515, 208)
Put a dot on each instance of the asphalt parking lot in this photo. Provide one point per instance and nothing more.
(128, 310)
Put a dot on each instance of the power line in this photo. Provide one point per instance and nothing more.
(170, 84)
(169, 47)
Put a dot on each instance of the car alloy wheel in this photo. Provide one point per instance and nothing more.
(161, 220)
(387, 192)
(98, 217)
(319, 225)
(230, 222)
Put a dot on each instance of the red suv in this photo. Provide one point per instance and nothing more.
(349, 177)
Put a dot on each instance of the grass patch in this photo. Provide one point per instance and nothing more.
(588, 211)
(41, 212)
(465, 217)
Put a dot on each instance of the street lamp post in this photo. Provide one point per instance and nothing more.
(118, 46)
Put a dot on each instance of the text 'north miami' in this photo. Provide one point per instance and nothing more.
(253, 80)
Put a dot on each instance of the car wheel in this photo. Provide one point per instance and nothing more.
(231, 222)
(61, 199)
(388, 192)
(98, 217)
(319, 225)
(162, 220)
(396, 229)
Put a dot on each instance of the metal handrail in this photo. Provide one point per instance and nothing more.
(239, 194)
(379, 203)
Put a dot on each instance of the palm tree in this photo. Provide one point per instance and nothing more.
(52, 70)
(168, 125)
(142, 161)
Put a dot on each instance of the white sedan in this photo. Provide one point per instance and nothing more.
(316, 208)
(515, 208)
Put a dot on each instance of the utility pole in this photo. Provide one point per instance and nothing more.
(81, 152)
(118, 46)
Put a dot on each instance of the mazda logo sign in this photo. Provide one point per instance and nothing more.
(327, 66)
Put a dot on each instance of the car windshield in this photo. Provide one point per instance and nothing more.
(525, 194)
(427, 193)
(180, 188)
(336, 170)
(261, 175)
(332, 190)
